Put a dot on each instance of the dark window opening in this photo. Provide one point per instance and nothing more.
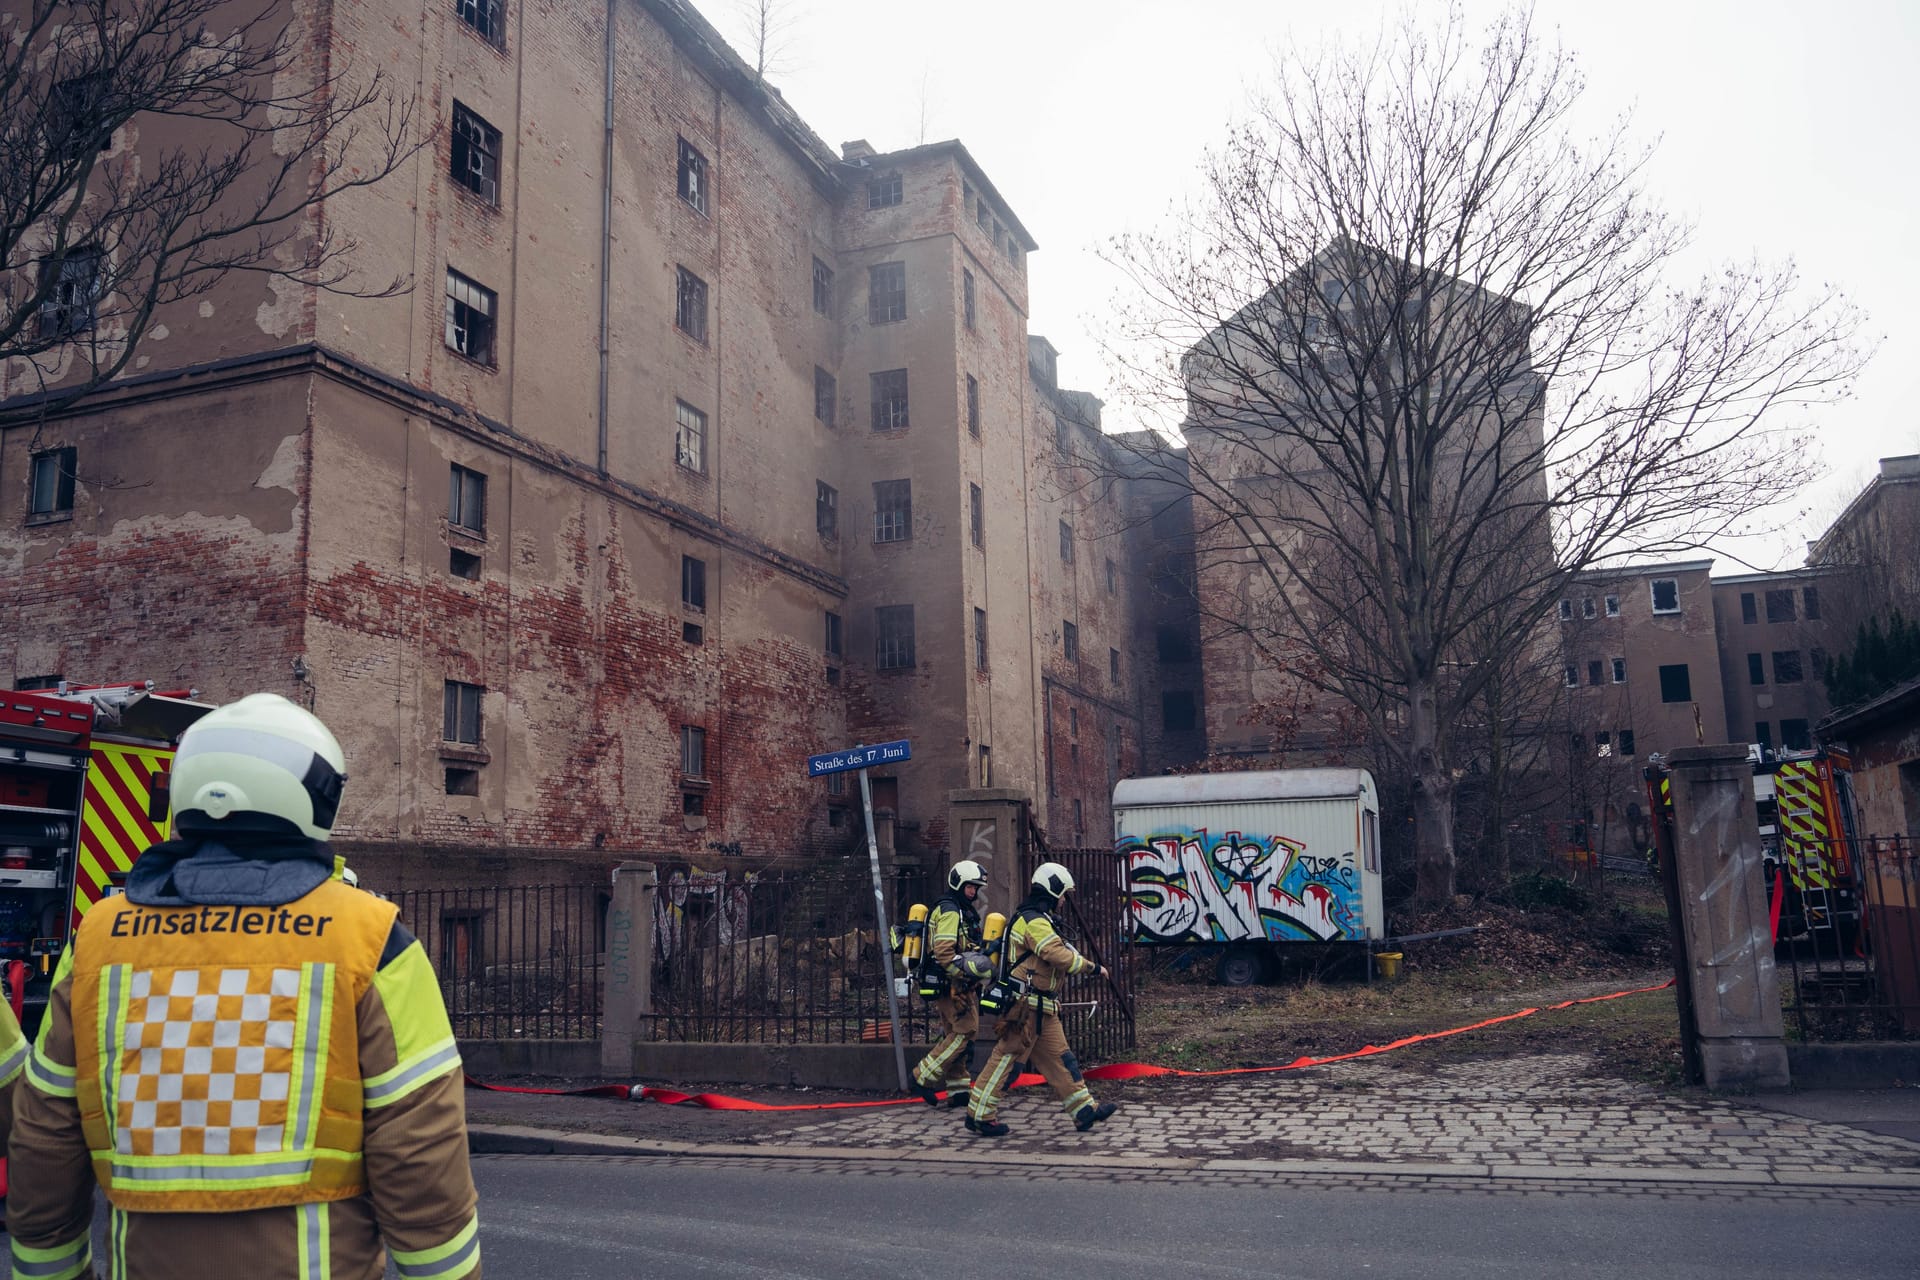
(467, 499)
(71, 293)
(893, 637)
(1177, 711)
(690, 304)
(886, 292)
(979, 639)
(1780, 606)
(463, 782)
(1619, 670)
(689, 437)
(966, 297)
(1756, 669)
(830, 641)
(1113, 665)
(889, 388)
(471, 311)
(1666, 595)
(1795, 735)
(463, 564)
(50, 484)
(1594, 671)
(488, 17)
(1626, 742)
(1173, 644)
(476, 154)
(826, 509)
(973, 405)
(1070, 641)
(885, 192)
(693, 176)
(1786, 666)
(78, 117)
(1749, 607)
(893, 510)
(976, 516)
(460, 713)
(1676, 684)
(825, 393)
(693, 584)
(822, 288)
(1810, 603)
(1066, 542)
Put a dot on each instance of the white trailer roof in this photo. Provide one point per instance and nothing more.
(1269, 784)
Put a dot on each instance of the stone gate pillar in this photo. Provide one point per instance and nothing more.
(1723, 904)
(629, 991)
(984, 824)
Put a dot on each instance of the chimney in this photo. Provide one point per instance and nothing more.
(858, 149)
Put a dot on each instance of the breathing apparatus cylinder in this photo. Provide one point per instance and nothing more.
(913, 939)
(994, 929)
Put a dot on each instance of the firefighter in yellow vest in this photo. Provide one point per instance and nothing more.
(1040, 961)
(13, 1064)
(956, 962)
(249, 1057)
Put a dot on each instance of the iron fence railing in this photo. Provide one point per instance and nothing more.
(515, 963)
(1847, 939)
(778, 956)
(1098, 1012)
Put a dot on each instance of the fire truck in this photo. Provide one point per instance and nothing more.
(1807, 826)
(83, 790)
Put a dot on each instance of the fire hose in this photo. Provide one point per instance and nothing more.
(1110, 1071)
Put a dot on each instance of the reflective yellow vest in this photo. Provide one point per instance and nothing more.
(217, 1049)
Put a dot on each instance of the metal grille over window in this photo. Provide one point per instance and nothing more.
(470, 318)
(892, 510)
(476, 154)
(893, 637)
(689, 436)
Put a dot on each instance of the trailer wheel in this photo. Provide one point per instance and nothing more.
(1240, 967)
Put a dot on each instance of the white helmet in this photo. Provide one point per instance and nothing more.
(1054, 879)
(965, 872)
(262, 755)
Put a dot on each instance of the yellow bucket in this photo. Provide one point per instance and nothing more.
(1388, 963)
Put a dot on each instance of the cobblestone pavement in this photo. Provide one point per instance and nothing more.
(1542, 1111)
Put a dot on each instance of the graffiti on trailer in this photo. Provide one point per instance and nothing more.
(1189, 886)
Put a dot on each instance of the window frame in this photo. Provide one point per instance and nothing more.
(1066, 543)
(493, 13)
(976, 515)
(1618, 670)
(693, 584)
(885, 191)
(893, 646)
(893, 510)
(1653, 595)
(471, 135)
(690, 304)
(1113, 665)
(693, 752)
(826, 510)
(1070, 642)
(467, 496)
(1749, 607)
(63, 312)
(980, 640)
(822, 287)
(891, 398)
(973, 406)
(692, 178)
(1565, 611)
(826, 395)
(1612, 606)
(887, 292)
(968, 312)
(1810, 603)
(689, 437)
(60, 463)
(463, 292)
(460, 706)
(1781, 606)
(832, 634)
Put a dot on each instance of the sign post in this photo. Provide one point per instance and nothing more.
(859, 758)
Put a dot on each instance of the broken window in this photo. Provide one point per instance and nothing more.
(471, 309)
(71, 290)
(973, 405)
(890, 400)
(966, 297)
(892, 510)
(893, 637)
(822, 287)
(1070, 641)
(825, 392)
(885, 192)
(886, 292)
(979, 639)
(976, 515)
(689, 436)
(693, 176)
(488, 17)
(690, 305)
(476, 154)
(693, 584)
(826, 509)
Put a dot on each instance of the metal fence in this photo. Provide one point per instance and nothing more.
(1098, 1012)
(1848, 937)
(777, 957)
(515, 963)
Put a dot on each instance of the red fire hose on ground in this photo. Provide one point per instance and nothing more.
(1112, 1071)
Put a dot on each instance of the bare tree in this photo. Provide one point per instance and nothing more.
(1429, 364)
(770, 28)
(150, 149)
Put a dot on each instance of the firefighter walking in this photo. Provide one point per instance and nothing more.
(248, 1056)
(953, 966)
(1039, 961)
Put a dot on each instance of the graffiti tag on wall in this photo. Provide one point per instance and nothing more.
(1187, 886)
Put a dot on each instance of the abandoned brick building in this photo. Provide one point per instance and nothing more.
(817, 491)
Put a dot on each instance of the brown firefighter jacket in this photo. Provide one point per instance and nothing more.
(394, 1168)
(1041, 957)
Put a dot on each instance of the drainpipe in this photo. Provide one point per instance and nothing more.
(606, 241)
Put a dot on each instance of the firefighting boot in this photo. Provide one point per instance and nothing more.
(958, 1098)
(928, 1094)
(988, 1128)
(1091, 1115)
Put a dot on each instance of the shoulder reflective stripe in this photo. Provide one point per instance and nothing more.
(410, 993)
(51, 1079)
(61, 1262)
(316, 1241)
(13, 1062)
(390, 1086)
(457, 1257)
(310, 1050)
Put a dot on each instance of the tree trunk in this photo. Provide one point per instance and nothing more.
(1433, 785)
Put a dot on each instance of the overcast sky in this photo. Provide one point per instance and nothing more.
(1785, 129)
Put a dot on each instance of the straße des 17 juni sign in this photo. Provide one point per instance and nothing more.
(858, 758)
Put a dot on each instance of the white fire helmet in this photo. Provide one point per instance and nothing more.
(965, 872)
(1054, 879)
(261, 754)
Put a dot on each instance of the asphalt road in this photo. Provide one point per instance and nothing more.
(556, 1217)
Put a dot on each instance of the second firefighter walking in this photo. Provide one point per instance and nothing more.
(950, 975)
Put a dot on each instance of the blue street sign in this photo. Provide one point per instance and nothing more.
(858, 758)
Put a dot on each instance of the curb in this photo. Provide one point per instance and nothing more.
(520, 1140)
